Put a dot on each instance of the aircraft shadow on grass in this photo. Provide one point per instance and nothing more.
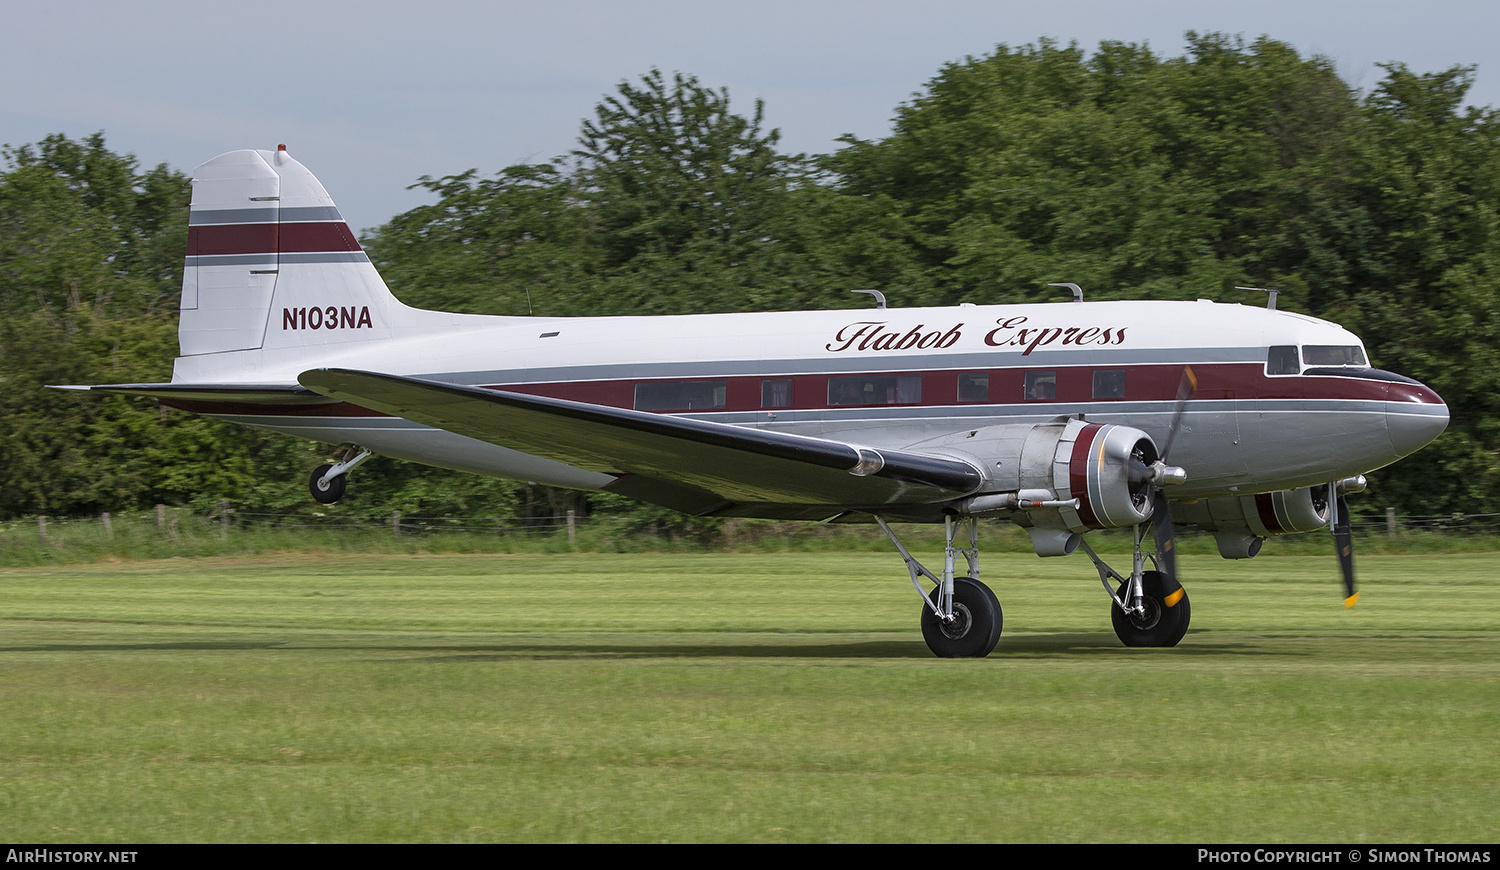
(1023, 647)
(1068, 644)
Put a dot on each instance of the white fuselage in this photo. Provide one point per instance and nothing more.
(880, 377)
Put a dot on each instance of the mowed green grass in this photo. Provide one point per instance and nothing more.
(733, 697)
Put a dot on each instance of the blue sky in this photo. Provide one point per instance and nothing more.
(371, 95)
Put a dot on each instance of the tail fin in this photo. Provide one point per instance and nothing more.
(272, 264)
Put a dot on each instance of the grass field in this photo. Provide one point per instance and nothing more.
(734, 697)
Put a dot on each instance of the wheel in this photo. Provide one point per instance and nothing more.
(976, 622)
(326, 493)
(1161, 624)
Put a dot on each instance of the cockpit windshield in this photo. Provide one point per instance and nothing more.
(1288, 359)
(1322, 355)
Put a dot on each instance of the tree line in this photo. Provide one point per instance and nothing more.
(1134, 175)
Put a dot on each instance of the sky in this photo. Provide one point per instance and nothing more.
(373, 95)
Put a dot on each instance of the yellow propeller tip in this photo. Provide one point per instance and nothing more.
(1171, 600)
(1351, 600)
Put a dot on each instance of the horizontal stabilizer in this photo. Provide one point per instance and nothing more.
(682, 455)
(258, 394)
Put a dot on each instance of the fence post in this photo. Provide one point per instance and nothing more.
(109, 530)
(570, 529)
(223, 519)
(41, 528)
(161, 518)
(1390, 522)
(396, 523)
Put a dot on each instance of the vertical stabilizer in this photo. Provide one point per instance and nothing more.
(272, 264)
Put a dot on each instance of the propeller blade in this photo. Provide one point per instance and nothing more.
(1161, 528)
(1185, 390)
(1159, 474)
(1343, 540)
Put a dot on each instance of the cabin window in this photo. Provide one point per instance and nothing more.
(875, 390)
(1109, 384)
(679, 395)
(1282, 360)
(1041, 386)
(974, 386)
(1334, 355)
(776, 393)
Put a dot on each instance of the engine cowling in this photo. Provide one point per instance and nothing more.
(1240, 523)
(1092, 464)
(1059, 478)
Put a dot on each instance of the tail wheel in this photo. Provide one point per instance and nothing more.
(976, 624)
(1162, 624)
(329, 492)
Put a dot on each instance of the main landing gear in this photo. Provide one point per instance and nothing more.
(961, 617)
(328, 481)
(1148, 608)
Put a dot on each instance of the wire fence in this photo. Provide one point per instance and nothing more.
(171, 522)
(175, 522)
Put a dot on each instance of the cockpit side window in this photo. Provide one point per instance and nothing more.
(1334, 355)
(1282, 360)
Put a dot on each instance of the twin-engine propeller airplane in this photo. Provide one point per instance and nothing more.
(1062, 418)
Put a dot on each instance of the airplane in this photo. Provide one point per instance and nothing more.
(1063, 417)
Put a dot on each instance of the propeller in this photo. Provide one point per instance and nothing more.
(1343, 538)
(1157, 475)
(1185, 389)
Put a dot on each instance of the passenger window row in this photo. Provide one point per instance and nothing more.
(855, 390)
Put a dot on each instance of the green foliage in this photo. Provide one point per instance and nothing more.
(1131, 175)
(669, 170)
(672, 204)
(515, 244)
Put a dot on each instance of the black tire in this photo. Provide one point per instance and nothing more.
(1160, 625)
(326, 493)
(976, 626)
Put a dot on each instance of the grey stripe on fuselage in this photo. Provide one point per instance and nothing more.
(274, 259)
(266, 215)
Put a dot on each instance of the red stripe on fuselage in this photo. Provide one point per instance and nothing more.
(299, 238)
(1143, 383)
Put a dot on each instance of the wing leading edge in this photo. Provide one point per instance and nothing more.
(692, 465)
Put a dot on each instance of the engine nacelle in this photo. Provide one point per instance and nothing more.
(1240, 523)
(1066, 476)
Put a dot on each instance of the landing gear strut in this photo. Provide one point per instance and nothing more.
(961, 617)
(1148, 608)
(328, 481)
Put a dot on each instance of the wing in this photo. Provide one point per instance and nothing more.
(692, 465)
